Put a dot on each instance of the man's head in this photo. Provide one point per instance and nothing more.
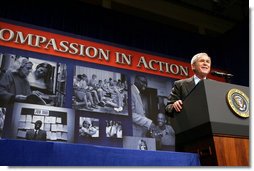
(161, 119)
(37, 124)
(25, 67)
(201, 65)
(79, 77)
(141, 82)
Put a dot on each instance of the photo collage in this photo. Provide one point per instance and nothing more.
(71, 102)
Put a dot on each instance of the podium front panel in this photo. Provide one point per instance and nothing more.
(223, 119)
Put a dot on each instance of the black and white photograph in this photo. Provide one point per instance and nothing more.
(100, 91)
(42, 123)
(2, 119)
(149, 97)
(88, 127)
(139, 143)
(29, 80)
(114, 129)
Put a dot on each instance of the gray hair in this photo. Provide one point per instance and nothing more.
(197, 56)
(21, 62)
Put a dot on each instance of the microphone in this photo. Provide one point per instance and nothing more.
(221, 74)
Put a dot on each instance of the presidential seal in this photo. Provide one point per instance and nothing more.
(238, 102)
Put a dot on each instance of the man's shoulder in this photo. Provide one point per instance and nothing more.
(168, 126)
(43, 131)
(10, 73)
(186, 80)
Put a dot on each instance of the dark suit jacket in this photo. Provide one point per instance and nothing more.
(41, 136)
(179, 91)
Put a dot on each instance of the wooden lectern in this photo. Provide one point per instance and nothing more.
(209, 127)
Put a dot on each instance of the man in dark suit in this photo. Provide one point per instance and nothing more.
(36, 133)
(201, 65)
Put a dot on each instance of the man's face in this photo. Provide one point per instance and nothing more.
(142, 83)
(202, 66)
(161, 119)
(37, 125)
(26, 69)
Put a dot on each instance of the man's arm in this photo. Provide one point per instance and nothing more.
(175, 103)
(138, 116)
(141, 120)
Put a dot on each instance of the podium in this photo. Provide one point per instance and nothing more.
(209, 127)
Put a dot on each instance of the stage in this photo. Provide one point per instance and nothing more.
(31, 153)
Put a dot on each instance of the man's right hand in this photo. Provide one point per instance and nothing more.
(152, 127)
(178, 105)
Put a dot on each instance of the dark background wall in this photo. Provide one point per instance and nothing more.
(229, 51)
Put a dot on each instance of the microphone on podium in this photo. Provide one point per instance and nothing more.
(221, 74)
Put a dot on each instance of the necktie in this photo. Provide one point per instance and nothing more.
(35, 134)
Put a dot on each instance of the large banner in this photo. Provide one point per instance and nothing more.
(66, 88)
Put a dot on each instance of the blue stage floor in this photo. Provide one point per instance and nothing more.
(31, 153)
